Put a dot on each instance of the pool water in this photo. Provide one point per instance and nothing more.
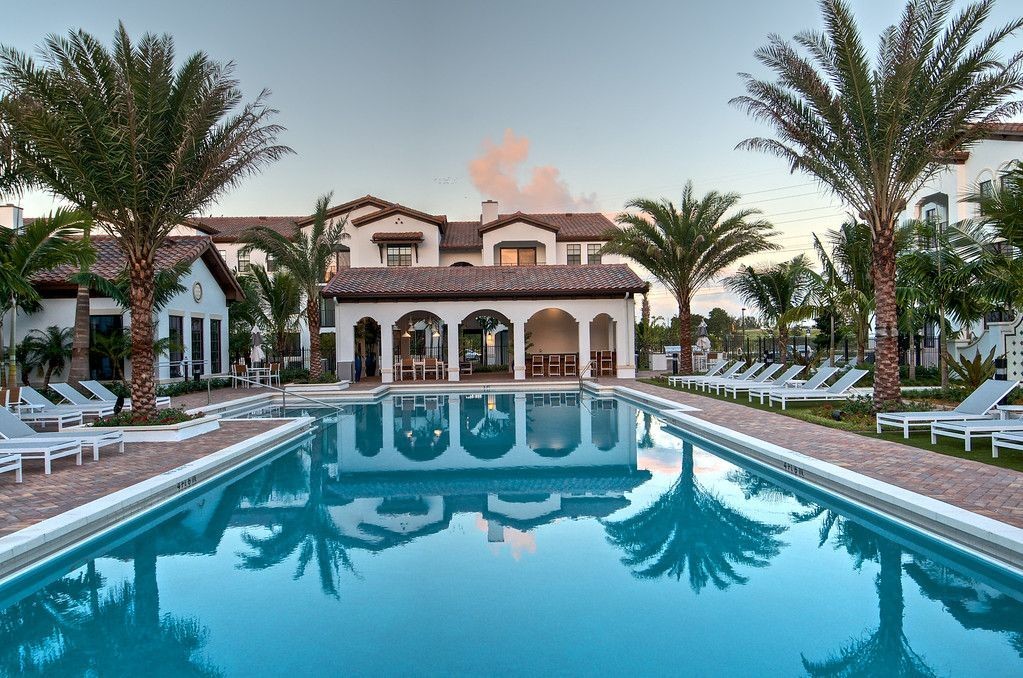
(511, 534)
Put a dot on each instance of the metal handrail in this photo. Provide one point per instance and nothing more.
(582, 371)
(284, 392)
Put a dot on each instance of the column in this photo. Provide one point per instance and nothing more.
(386, 350)
(624, 328)
(584, 349)
(455, 423)
(519, 340)
(346, 348)
(453, 355)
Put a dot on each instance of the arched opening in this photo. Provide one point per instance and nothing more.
(367, 349)
(553, 429)
(552, 344)
(460, 263)
(603, 359)
(485, 341)
(421, 426)
(420, 346)
(488, 425)
(605, 423)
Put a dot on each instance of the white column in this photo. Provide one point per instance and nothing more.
(386, 350)
(345, 343)
(625, 324)
(584, 347)
(453, 356)
(519, 339)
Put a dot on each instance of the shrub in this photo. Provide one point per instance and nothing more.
(166, 417)
(182, 387)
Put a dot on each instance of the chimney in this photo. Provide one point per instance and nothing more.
(10, 217)
(489, 212)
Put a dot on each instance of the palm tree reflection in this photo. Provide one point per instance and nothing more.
(690, 528)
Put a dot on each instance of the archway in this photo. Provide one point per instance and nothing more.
(487, 425)
(552, 343)
(485, 340)
(553, 425)
(367, 349)
(420, 334)
(421, 426)
(603, 333)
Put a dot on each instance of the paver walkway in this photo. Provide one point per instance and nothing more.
(988, 490)
(41, 496)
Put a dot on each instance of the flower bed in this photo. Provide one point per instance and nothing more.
(165, 417)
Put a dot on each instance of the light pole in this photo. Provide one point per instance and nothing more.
(742, 323)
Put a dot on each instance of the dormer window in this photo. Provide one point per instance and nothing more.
(399, 255)
(518, 256)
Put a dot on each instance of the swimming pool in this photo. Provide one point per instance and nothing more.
(511, 534)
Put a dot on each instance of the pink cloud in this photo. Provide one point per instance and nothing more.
(496, 171)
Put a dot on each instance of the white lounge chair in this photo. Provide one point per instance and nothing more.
(39, 410)
(14, 429)
(970, 429)
(78, 401)
(762, 391)
(760, 378)
(977, 405)
(712, 371)
(1012, 440)
(688, 380)
(839, 391)
(105, 395)
(742, 376)
(45, 449)
(11, 463)
(783, 379)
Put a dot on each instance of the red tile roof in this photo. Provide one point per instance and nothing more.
(398, 236)
(479, 282)
(462, 236)
(110, 261)
(346, 207)
(401, 210)
(231, 229)
(569, 226)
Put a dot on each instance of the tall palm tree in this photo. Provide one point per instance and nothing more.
(277, 304)
(137, 140)
(46, 243)
(687, 246)
(777, 291)
(307, 256)
(690, 528)
(846, 261)
(874, 133)
(50, 349)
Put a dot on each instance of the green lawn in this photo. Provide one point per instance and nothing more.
(864, 426)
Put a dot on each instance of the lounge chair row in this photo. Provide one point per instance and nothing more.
(21, 442)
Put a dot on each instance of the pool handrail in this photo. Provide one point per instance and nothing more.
(283, 392)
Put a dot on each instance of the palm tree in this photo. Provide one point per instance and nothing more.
(137, 141)
(690, 528)
(1001, 216)
(686, 247)
(50, 349)
(307, 257)
(875, 133)
(277, 304)
(777, 291)
(44, 244)
(847, 261)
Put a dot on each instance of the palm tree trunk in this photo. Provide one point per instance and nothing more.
(942, 351)
(831, 342)
(886, 371)
(79, 369)
(12, 348)
(685, 336)
(143, 386)
(783, 341)
(312, 311)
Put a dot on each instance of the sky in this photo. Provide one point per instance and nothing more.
(543, 105)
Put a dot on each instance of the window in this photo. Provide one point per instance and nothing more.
(399, 255)
(327, 313)
(1003, 182)
(987, 188)
(931, 215)
(216, 347)
(575, 254)
(176, 334)
(518, 256)
(223, 254)
(101, 364)
(198, 342)
(593, 253)
(243, 261)
(271, 265)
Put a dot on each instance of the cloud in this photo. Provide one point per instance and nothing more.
(496, 172)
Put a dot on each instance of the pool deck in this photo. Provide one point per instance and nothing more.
(972, 485)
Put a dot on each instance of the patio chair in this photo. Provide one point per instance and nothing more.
(1012, 440)
(977, 405)
(554, 365)
(104, 394)
(714, 370)
(465, 367)
(406, 366)
(45, 449)
(537, 370)
(760, 378)
(431, 365)
(239, 375)
(841, 390)
(970, 429)
(762, 391)
(39, 410)
(785, 377)
(571, 369)
(11, 463)
(607, 362)
(12, 429)
(274, 375)
(77, 400)
(742, 376)
(688, 380)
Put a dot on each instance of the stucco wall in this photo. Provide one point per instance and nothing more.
(520, 232)
(366, 253)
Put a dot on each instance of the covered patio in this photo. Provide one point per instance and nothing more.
(507, 322)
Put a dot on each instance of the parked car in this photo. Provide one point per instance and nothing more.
(472, 355)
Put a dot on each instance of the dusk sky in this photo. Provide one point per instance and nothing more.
(544, 106)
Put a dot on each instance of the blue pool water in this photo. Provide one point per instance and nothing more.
(510, 535)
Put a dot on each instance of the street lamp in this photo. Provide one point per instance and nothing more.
(742, 322)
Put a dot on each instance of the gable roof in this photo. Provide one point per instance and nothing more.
(569, 226)
(110, 262)
(401, 210)
(231, 229)
(346, 207)
(483, 282)
(515, 218)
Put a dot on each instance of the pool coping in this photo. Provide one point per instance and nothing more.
(988, 538)
(47, 539)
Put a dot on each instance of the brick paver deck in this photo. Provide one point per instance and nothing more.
(41, 496)
(988, 490)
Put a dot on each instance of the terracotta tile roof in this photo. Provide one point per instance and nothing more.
(110, 261)
(997, 129)
(578, 225)
(346, 207)
(401, 210)
(478, 282)
(398, 236)
(462, 236)
(230, 229)
(572, 227)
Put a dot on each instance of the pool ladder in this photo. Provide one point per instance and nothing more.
(283, 392)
